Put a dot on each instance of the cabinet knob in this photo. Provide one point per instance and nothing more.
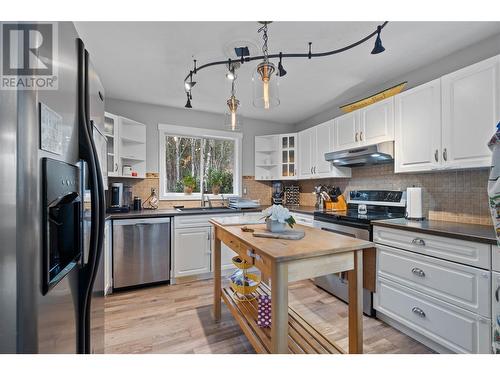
(418, 241)
(418, 311)
(436, 155)
(418, 272)
(445, 155)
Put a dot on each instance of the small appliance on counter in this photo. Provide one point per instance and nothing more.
(414, 203)
(137, 203)
(278, 192)
(120, 198)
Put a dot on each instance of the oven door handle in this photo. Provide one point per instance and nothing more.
(338, 232)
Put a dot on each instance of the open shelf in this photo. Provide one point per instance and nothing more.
(302, 337)
(266, 165)
(131, 177)
(130, 158)
(266, 151)
(131, 140)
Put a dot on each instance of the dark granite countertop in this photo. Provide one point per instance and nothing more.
(308, 210)
(173, 212)
(462, 231)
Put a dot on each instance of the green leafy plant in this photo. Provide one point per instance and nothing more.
(189, 181)
(215, 177)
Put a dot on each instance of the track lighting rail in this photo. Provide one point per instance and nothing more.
(281, 55)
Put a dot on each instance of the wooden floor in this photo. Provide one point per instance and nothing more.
(177, 319)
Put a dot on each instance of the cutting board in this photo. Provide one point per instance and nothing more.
(286, 235)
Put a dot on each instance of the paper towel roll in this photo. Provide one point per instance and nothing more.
(414, 203)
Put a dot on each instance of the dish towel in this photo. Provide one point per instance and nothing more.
(494, 182)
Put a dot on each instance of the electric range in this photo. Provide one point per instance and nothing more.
(363, 208)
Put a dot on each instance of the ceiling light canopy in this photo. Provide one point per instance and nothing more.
(266, 75)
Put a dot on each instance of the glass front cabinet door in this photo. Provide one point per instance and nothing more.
(288, 167)
(111, 133)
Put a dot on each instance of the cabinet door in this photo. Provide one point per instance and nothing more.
(191, 251)
(471, 110)
(377, 122)
(347, 131)
(418, 128)
(305, 153)
(323, 143)
(111, 131)
(288, 157)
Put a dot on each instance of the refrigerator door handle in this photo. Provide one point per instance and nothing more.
(88, 154)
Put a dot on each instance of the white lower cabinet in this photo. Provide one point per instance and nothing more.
(436, 289)
(455, 329)
(193, 250)
(464, 286)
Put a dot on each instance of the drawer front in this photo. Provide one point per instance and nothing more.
(190, 221)
(464, 286)
(465, 252)
(456, 329)
(495, 261)
(303, 219)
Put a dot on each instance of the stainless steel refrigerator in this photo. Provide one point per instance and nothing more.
(52, 208)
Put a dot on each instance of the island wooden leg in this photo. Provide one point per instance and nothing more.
(217, 277)
(279, 309)
(356, 305)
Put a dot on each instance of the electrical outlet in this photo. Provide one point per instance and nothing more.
(244, 191)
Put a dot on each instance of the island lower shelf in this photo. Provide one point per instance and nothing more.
(302, 337)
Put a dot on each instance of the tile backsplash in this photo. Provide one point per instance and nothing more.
(459, 196)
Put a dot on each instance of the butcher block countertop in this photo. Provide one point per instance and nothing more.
(316, 242)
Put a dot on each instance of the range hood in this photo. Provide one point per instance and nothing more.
(374, 154)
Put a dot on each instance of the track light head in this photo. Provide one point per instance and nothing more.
(189, 85)
(378, 48)
(281, 70)
(188, 103)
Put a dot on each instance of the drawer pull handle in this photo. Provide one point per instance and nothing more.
(252, 254)
(497, 292)
(418, 272)
(418, 241)
(419, 312)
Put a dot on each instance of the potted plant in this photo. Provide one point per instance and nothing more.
(189, 184)
(215, 180)
(277, 217)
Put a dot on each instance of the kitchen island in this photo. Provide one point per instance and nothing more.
(282, 261)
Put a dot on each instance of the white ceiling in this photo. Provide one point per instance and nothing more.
(147, 61)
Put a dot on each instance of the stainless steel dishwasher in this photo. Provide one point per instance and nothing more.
(141, 251)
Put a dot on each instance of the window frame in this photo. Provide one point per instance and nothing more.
(188, 131)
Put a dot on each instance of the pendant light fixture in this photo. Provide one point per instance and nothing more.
(265, 88)
(232, 120)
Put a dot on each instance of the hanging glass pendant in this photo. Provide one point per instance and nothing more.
(232, 121)
(265, 86)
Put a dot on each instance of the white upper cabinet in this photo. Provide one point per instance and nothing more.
(288, 153)
(417, 128)
(324, 144)
(313, 144)
(447, 123)
(305, 153)
(471, 110)
(346, 131)
(366, 126)
(377, 122)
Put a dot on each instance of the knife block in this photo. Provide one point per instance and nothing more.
(340, 205)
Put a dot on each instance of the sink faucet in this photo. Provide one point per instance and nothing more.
(203, 196)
